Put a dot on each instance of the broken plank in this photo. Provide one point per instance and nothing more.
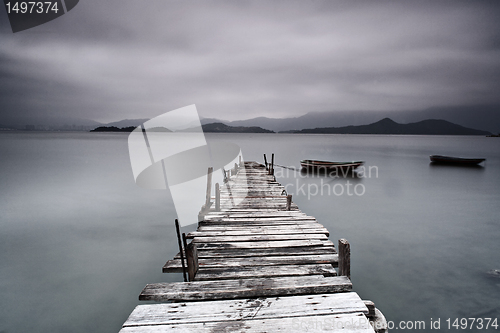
(244, 288)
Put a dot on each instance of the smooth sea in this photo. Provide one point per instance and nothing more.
(79, 240)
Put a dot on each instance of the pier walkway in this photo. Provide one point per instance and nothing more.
(258, 265)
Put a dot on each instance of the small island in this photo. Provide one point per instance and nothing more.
(223, 128)
(113, 129)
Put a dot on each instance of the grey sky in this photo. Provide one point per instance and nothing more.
(111, 60)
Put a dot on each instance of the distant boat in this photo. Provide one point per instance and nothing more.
(455, 160)
(327, 166)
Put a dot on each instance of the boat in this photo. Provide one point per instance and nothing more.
(455, 160)
(328, 166)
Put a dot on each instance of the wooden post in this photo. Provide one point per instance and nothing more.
(235, 168)
(288, 202)
(188, 261)
(192, 260)
(371, 308)
(344, 258)
(180, 249)
(209, 186)
(272, 165)
(240, 164)
(184, 243)
(217, 197)
(224, 175)
(265, 160)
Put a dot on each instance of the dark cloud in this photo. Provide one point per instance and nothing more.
(109, 60)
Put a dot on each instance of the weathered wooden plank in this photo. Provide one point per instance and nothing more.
(256, 221)
(252, 209)
(248, 272)
(255, 203)
(259, 206)
(245, 288)
(309, 228)
(269, 226)
(253, 198)
(290, 251)
(244, 309)
(175, 265)
(274, 219)
(258, 238)
(255, 231)
(258, 214)
(264, 244)
(307, 224)
(354, 323)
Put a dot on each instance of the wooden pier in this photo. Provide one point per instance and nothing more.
(261, 265)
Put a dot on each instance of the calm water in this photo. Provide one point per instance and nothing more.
(79, 240)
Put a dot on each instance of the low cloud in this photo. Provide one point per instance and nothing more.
(121, 59)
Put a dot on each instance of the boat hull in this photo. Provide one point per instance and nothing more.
(325, 166)
(455, 160)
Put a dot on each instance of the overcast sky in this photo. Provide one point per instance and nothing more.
(111, 60)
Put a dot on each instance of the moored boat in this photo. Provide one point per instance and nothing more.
(327, 166)
(455, 160)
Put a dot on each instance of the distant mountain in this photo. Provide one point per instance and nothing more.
(223, 128)
(205, 121)
(388, 126)
(485, 117)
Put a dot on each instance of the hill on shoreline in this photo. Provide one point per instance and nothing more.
(223, 128)
(388, 126)
(207, 128)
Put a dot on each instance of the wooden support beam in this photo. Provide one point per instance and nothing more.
(371, 308)
(265, 160)
(192, 260)
(288, 202)
(344, 251)
(224, 175)
(209, 186)
(177, 228)
(217, 197)
(271, 171)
